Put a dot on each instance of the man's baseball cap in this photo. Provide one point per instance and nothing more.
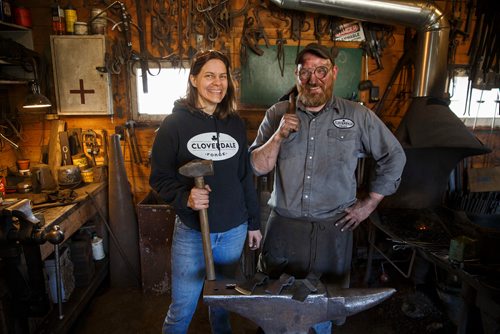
(319, 50)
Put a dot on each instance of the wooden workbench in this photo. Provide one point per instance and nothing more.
(73, 216)
(70, 218)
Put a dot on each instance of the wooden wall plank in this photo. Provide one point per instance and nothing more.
(36, 130)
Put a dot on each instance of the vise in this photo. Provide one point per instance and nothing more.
(283, 314)
(18, 224)
(21, 234)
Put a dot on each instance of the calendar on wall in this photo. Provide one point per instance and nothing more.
(81, 85)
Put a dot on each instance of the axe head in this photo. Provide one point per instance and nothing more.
(197, 168)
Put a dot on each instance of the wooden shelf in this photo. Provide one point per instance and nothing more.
(13, 82)
(11, 26)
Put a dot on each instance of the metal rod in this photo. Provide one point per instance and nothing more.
(9, 141)
(478, 106)
(58, 282)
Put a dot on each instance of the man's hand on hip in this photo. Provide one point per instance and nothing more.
(359, 212)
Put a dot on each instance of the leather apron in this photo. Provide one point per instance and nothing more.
(298, 247)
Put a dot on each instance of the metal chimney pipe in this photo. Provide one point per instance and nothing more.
(430, 22)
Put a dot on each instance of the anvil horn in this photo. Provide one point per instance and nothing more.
(346, 302)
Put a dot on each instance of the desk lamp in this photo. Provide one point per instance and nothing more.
(35, 99)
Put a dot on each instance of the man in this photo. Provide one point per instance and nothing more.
(314, 151)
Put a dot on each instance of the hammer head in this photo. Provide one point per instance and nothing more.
(197, 168)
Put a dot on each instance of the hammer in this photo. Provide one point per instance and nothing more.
(197, 169)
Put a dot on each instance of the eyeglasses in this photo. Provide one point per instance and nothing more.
(207, 53)
(320, 72)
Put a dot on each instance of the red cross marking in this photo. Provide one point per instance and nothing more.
(82, 92)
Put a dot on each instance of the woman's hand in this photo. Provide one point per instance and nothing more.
(254, 238)
(198, 198)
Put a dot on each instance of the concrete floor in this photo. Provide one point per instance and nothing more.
(131, 311)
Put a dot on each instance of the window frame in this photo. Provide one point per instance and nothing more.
(134, 98)
(471, 120)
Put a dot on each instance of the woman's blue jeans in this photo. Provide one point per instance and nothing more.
(188, 274)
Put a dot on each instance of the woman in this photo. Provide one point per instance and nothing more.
(205, 125)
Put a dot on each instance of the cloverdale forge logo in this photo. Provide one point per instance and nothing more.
(206, 146)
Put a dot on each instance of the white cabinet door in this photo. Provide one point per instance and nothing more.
(80, 88)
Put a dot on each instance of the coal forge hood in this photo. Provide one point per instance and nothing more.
(435, 141)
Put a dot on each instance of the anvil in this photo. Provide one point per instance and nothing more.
(283, 314)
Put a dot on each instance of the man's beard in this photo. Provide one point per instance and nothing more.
(314, 100)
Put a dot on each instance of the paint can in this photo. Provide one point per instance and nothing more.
(97, 248)
(99, 24)
(22, 16)
(81, 28)
(80, 160)
(88, 175)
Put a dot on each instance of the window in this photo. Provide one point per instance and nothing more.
(165, 85)
(481, 110)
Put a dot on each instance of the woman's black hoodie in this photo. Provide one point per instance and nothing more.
(187, 135)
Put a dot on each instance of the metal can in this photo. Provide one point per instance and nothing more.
(81, 28)
(70, 16)
(22, 16)
(99, 21)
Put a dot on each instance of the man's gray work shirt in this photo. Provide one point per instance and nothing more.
(315, 169)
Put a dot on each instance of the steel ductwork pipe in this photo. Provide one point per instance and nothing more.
(430, 22)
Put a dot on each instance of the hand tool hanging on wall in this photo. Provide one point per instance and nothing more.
(484, 50)
(251, 36)
(247, 42)
(180, 49)
(161, 33)
(216, 19)
(280, 52)
(321, 27)
(132, 141)
(407, 60)
(142, 46)
(372, 46)
(189, 19)
(299, 25)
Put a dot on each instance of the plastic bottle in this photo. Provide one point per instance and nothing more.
(70, 15)
(97, 248)
(58, 20)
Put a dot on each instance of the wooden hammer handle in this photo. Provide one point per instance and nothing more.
(291, 103)
(205, 235)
